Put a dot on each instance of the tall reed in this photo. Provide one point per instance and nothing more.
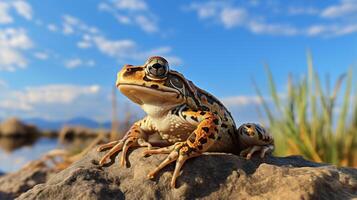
(312, 121)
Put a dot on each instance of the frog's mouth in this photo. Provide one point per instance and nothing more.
(142, 94)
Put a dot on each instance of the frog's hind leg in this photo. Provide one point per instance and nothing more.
(263, 149)
(256, 139)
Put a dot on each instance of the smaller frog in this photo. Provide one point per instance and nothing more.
(189, 120)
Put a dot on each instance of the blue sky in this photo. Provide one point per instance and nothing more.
(58, 59)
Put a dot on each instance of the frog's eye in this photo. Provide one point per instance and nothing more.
(177, 83)
(157, 68)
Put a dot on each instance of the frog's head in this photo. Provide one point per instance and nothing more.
(251, 131)
(153, 84)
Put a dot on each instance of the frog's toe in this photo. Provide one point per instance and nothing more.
(127, 144)
(116, 148)
(169, 159)
(106, 146)
(178, 152)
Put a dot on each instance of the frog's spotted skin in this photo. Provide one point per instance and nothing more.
(190, 120)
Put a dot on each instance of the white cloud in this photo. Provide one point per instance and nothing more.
(52, 27)
(136, 5)
(232, 16)
(52, 101)
(23, 8)
(56, 93)
(123, 50)
(345, 8)
(126, 49)
(48, 94)
(5, 17)
(77, 62)
(147, 24)
(132, 12)
(331, 30)
(273, 29)
(59, 102)
(85, 43)
(41, 55)
(12, 44)
(303, 11)
(241, 101)
(2, 84)
(73, 25)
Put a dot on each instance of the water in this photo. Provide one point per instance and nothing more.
(13, 155)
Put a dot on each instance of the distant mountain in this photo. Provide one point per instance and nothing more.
(56, 125)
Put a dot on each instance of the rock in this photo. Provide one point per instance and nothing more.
(13, 127)
(72, 132)
(211, 176)
(14, 184)
(9, 144)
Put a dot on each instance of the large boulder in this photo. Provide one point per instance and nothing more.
(13, 127)
(14, 184)
(211, 176)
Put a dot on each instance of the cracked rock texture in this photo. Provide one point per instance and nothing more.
(211, 176)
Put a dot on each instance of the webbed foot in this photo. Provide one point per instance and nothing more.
(178, 152)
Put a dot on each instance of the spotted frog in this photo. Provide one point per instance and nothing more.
(189, 120)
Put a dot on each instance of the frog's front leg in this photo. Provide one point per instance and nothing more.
(198, 142)
(136, 136)
(256, 139)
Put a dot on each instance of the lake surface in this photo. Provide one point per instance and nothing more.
(13, 157)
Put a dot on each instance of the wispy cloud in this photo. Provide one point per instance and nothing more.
(22, 8)
(36, 100)
(233, 16)
(241, 100)
(346, 8)
(123, 50)
(3, 84)
(41, 55)
(57, 102)
(302, 10)
(77, 62)
(5, 17)
(132, 12)
(52, 27)
(12, 44)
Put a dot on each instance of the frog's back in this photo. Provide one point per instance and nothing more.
(228, 141)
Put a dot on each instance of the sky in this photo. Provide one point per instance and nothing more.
(59, 58)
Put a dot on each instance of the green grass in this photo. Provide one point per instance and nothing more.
(308, 120)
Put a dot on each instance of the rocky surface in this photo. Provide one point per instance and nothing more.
(13, 185)
(13, 127)
(211, 176)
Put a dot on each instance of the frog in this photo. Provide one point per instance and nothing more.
(189, 120)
